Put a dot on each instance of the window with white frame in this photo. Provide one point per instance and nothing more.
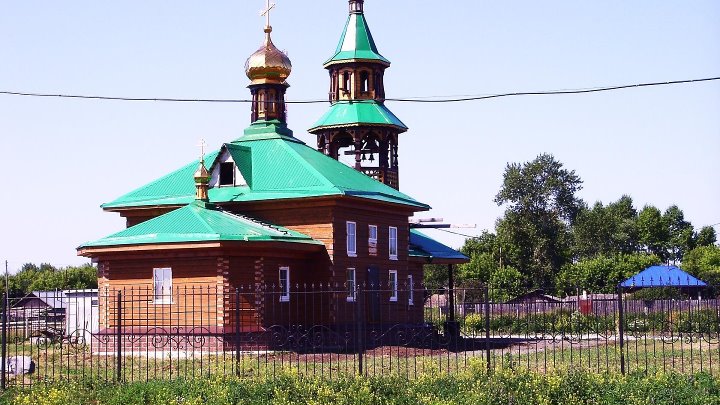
(372, 239)
(393, 285)
(411, 290)
(393, 243)
(284, 284)
(351, 239)
(162, 285)
(351, 285)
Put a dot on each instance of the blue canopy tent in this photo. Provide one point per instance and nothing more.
(663, 276)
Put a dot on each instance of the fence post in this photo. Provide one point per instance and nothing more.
(237, 332)
(451, 294)
(487, 327)
(118, 337)
(359, 341)
(3, 381)
(621, 328)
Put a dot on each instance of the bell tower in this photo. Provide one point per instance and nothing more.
(358, 124)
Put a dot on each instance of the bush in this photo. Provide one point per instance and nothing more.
(558, 322)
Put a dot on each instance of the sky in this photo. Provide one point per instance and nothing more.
(63, 158)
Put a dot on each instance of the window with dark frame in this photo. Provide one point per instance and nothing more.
(227, 174)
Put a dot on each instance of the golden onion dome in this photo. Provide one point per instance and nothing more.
(268, 64)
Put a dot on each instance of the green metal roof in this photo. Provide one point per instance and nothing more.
(356, 43)
(275, 167)
(200, 222)
(363, 112)
(425, 247)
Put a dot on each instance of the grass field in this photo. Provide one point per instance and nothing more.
(472, 386)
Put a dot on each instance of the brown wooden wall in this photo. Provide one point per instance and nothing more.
(195, 299)
(323, 219)
(326, 221)
(255, 283)
(314, 220)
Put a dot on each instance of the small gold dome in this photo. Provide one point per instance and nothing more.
(202, 175)
(268, 64)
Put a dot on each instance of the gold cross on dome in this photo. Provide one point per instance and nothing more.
(266, 12)
(202, 146)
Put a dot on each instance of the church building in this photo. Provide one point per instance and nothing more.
(271, 216)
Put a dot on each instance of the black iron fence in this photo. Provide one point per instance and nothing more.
(139, 334)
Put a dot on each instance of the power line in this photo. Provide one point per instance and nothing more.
(475, 237)
(430, 99)
(557, 92)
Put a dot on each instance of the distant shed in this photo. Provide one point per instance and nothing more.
(82, 313)
(535, 297)
(48, 305)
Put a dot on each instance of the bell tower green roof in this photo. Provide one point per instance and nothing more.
(356, 42)
(358, 113)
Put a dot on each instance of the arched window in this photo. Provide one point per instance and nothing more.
(272, 101)
(333, 85)
(346, 81)
(261, 103)
(364, 81)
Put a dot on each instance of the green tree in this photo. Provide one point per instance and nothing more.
(681, 236)
(46, 277)
(625, 232)
(653, 232)
(602, 273)
(704, 263)
(541, 206)
(435, 276)
(506, 283)
(706, 236)
(606, 229)
(485, 256)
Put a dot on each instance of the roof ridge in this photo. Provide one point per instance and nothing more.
(159, 180)
(195, 209)
(255, 221)
(314, 171)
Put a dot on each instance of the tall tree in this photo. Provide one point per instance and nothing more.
(485, 258)
(606, 229)
(653, 232)
(681, 236)
(704, 262)
(625, 232)
(541, 206)
(706, 236)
